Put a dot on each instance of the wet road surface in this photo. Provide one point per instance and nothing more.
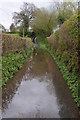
(38, 91)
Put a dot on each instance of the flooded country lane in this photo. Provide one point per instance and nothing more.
(38, 91)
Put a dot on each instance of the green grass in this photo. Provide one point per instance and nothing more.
(14, 35)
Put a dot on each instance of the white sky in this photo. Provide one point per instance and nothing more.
(7, 7)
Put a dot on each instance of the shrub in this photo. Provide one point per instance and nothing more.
(66, 53)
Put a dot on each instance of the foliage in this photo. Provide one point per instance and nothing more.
(12, 62)
(3, 28)
(65, 11)
(22, 18)
(63, 47)
(70, 77)
(44, 22)
(16, 35)
(16, 51)
(13, 42)
(23, 28)
(12, 28)
(65, 43)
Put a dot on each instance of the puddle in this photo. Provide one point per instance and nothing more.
(38, 91)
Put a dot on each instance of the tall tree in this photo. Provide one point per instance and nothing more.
(65, 10)
(24, 16)
(44, 21)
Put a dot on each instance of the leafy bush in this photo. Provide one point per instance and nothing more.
(66, 53)
(70, 77)
(12, 62)
(16, 51)
(65, 43)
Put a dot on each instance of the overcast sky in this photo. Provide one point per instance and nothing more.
(7, 7)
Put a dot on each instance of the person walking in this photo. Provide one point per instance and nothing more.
(34, 41)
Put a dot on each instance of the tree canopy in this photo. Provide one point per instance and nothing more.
(44, 21)
(65, 10)
(22, 18)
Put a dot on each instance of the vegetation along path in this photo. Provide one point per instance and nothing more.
(38, 91)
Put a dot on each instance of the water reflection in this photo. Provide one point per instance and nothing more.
(38, 91)
(33, 98)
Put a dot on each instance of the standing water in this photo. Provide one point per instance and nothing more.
(38, 91)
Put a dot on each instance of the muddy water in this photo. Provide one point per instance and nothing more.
(38, 91)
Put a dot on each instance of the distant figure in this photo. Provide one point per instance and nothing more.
(34, 41)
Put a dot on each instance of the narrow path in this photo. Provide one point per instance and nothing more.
(38, 91)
